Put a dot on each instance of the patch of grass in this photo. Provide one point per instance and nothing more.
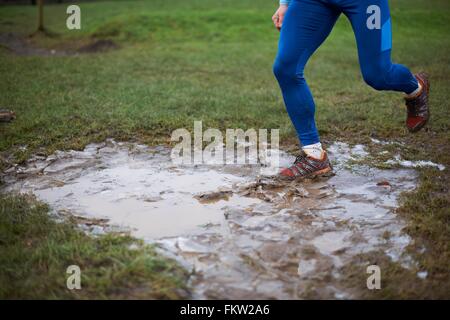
(426, 211)
(396, 281)
(35, 252)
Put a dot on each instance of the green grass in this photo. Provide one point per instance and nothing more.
(179, 64)
(35, 252)
(211, 60)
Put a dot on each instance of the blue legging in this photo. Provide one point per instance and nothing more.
(306, 25)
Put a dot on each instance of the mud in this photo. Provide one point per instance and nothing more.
(241, 233)
(101, 45)
(7, 115)
(24, 46)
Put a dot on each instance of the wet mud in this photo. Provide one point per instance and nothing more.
(242, 233)
(24, 46)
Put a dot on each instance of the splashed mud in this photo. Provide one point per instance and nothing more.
(242, 233)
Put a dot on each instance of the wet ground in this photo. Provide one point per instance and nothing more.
(24, 46)
(240, 232)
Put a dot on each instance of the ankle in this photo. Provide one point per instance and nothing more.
(314, 150)
(416, 92)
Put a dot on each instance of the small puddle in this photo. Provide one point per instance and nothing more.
(245, 235)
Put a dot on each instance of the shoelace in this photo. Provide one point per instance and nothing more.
(300, 158)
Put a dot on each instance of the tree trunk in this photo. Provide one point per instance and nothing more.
(41, 15)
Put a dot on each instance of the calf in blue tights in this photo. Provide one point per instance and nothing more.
(305, 24)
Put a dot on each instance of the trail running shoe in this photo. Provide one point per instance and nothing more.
(418, 110)
(307, 167)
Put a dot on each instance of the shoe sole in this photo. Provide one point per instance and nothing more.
(327, 172)
(419, 126)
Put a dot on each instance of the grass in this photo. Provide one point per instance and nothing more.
(35, 252)
(210, 60)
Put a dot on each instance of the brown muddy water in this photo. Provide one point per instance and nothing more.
(240, 232)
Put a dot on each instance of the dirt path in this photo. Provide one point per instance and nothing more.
(243, 234)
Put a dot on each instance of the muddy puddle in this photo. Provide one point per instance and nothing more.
(240, 232)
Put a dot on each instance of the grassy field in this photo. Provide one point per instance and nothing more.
(211, 60)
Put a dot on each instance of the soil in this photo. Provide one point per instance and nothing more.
(25, 46)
